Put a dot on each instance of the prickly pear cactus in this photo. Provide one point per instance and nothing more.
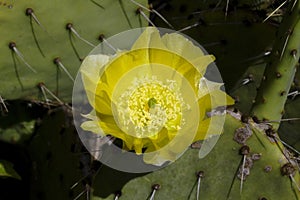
(55, 154)
(221, 179)
(289, 130)
(44, 42)
(245, 95)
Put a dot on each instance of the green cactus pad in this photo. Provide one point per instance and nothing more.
(220, 173)
(17, 133)
(55, 155)
(37, 30)
(245, 93)
(17, 125)
(289, 130)
(281, 68)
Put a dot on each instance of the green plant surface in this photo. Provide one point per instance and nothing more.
(17, 133)
(245, 93)
(55, 155)
(278, 83)
(41, 41)
(17, 125)
(7, 170)
(220, 167)
(280, 71)
(288, 130)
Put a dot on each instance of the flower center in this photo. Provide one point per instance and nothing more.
(152, 105)
(149, 105)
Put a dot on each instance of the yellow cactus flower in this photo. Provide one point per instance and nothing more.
(154, 97)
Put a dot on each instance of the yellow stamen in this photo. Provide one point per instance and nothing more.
(148, 106)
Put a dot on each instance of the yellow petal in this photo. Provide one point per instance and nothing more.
(210, 126)
(103, 103)
(199, 65)
(90, 73)
(210, 95)
(161, 139)
(91, 126)
(138, 146)
(118, 66)
(92, 115)
(216, 126)
(150, 38)
(207, 86)
(202, 62)
(181, 46)
(108, 125)
(158, 156)
(220, 98)
(121, 65)
(166, 57)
